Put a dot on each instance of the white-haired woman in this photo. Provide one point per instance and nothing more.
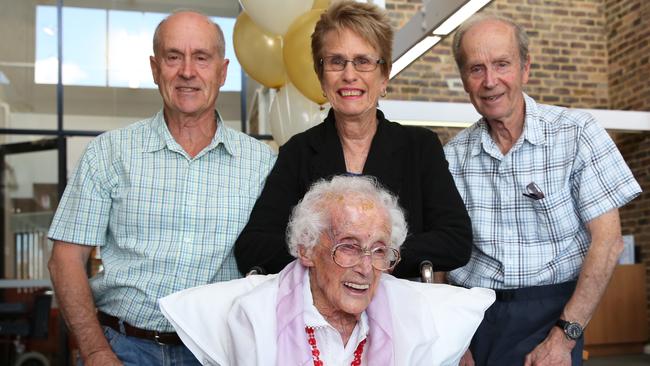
(333, 305)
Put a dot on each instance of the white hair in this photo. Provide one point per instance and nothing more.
(311, 216)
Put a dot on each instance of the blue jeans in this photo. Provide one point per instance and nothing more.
(134, 351)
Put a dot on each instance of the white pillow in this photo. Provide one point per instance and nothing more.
(200, 316)
(456, 313)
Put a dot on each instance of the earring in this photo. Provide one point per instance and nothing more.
(325, 95)
(383, 93)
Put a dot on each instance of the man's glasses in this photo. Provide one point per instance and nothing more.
(349, 255)
(360, 63)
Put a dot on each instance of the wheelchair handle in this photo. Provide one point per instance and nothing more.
(256, 270)
(426, 271)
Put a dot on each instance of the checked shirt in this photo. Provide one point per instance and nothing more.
(520, 241)
(164, 221)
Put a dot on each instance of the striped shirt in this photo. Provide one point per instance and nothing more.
(164, 221)
(520, 241)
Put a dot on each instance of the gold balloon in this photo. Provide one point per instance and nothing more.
(297, 56)
(321, 4)
(259, 52)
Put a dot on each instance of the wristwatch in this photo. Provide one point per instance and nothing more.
(572, 330)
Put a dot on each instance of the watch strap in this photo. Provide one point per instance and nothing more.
(561, 323)
(569, 328)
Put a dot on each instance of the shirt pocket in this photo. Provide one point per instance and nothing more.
(556, 215)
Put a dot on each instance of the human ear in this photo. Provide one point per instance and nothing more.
(304, 255)
(154, 68)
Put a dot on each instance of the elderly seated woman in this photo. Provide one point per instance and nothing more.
(335, 304)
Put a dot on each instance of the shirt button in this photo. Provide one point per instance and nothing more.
(187, 239)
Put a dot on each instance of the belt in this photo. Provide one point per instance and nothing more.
(537, 292)
(131, 331)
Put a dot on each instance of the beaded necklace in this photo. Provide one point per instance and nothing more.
(316, 353)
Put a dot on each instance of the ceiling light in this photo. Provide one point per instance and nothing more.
(413, 54)
(428, 26)
(460, 16)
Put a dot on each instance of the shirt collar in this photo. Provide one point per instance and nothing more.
(481, 139)
(532, 130)
(160, 137)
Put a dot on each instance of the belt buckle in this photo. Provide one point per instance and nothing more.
(156, 337)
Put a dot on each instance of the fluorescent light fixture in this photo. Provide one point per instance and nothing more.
(427, 27)
(460, 16)
(413, 54)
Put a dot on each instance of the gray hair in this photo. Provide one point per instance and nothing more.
(520, 36)
(221, 43)
(311, 216)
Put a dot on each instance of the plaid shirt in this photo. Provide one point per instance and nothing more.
(520, 241)
(164, 221)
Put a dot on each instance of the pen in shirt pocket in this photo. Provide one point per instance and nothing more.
(533, 191)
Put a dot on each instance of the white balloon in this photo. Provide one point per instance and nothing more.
(275, 16)
(292, 113)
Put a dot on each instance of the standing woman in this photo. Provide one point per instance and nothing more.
(351, 47)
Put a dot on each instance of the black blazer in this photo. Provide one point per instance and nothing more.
(408, 161)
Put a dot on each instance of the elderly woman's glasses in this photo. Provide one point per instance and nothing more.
(349, 255)
(360, 63)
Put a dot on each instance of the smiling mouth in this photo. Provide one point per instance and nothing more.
(492, 98)
(356, 286)
(186, 89)
(350, 93)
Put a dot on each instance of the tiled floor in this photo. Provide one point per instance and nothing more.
(631, 360)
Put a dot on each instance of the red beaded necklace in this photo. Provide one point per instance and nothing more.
(316, 353)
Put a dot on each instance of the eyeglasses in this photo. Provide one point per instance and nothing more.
(349, 255)
(360, 63)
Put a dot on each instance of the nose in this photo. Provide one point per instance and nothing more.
(187, 69)
(365, 264)
(490, 80)
(349, 73)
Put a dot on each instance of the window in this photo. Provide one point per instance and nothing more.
(108, 48)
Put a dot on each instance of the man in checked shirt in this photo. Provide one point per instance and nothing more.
(164, 198)
(542, 185)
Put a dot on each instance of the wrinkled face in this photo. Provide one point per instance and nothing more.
(351, 93)
(348, 290)
(492, 73)
(187, 67)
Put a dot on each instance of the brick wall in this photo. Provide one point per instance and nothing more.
(585, 54)
(568, 52)
(628, 27)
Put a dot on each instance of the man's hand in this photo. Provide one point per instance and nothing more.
(555, 350)
(102, 358)
(467, 359)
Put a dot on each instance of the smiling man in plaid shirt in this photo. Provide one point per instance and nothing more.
(542, 185)
(164, 198)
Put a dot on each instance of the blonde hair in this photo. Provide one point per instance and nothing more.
(368, 21)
